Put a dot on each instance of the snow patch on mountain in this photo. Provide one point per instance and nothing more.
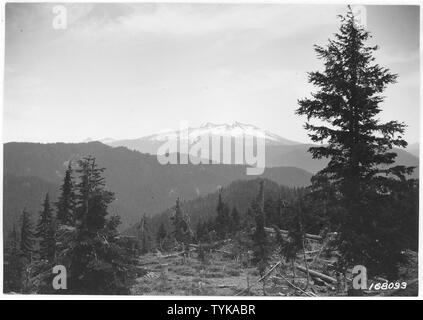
(237, 129)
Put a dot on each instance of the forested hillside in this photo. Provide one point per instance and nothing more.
(142, 185)
(239, 194)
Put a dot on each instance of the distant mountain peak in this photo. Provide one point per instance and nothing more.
(234, 124)
(151, 143)
(235, 129)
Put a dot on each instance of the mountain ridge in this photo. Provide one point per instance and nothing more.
(141, 184)
(279, 152)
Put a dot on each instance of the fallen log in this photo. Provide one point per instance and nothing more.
(307, 293)
(261, 279)
(286, 232)
(317, 274)
(324, 283)
(317, 256)
(210, 246)
(223, 251)
(226, 286)
(312, 251)
(313, 237)
(173, 255)
(328, 262)
(196, 246)
(140, 264)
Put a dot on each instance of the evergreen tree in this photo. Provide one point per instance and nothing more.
(66, 203)
(144, 234)
(92, 198)
(261, 243)
(14, 239)
(201, 253)
(235, 220)
(27, 235)
(249, 218)
(280, 217)
(13, 264)
(241, 244)
(273, 211)
(161, 235)
(199, 231)
(97, 260)
(407, 208)
(358, 145)
(223, 219)
(177, 222)
(45, 231)
(181, 225)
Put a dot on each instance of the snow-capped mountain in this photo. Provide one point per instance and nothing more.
(150, 143)
(236, 129)
(279, 151)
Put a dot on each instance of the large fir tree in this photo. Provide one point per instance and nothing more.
(361, 171)
(97, 261)
(92, 198)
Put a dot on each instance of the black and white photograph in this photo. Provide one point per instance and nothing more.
(245, 149)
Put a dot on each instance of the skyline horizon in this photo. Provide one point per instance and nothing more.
(169, 130)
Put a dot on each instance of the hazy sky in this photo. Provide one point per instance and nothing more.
(125, 71)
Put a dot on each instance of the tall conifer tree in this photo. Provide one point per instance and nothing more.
(161, 235)
(223, 219)
(235, 220)
(261, 243)
(359, 146)
(45, 231)
(27, 235)
(13, 264)
(97, 261)
(181, 225)
(66, 203)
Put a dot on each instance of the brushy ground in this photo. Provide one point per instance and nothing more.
(215, 277)
(221, 275)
